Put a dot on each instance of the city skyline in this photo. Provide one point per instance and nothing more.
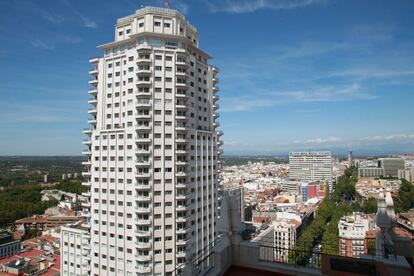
(314, 74)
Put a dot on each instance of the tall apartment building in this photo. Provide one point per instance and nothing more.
(311, 166)
(153, 148)
(391, 166)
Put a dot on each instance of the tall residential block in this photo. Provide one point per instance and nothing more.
(153, 148)
(311, 166)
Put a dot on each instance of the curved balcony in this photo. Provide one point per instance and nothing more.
(182, 63)
(86, 163)
(142, 94)
(219, 152)
(88, 173)
(180, 186)
(86, 204)
(93, 92)
(143, 72)
(92, 121)
(93, 82)
(219, 143)
(143, 127)
(143, 83)
(143, 269)
(86, 184)
(143, 258)
(143, 234)
(216, 106)
(142, 164)
(181, 95)
(143, 116)
(181, 141)
(182, 231)
(86, 194)
(181, 208)
(143, 105)
(220, 133)
(142, 61)
(182, 85)
(181, 128)
(143, 210)
(93, 111)
(215, 80)
(87, 152)
(142, 198)
(142, 187)
(216, 115)
(182, 219)
(142, 151)
(143, 175)
(143, 245)
(216, 89)
(93, 72)
(216, 124)
(182, 241)
(94, 60)
(181, 196)
(215, 70)
(87, 142)
(143, 140)
(181, 174)
(182, 74)
(181, 106)
(180, 152)
(216, 98)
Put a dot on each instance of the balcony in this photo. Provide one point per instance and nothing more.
(143, 258)
(181, 196)
(181, 174)
(143, 269)
(142, 198)
(143, 127)
(181, 63)
(216, 89)
(142, 187)
(143, 175)
(181, 128)
(181, 208)
(181, 118)
(142, 152)
(93, 82)
(181, 74)
(181, 152)
(181, 106)
(215, 70)
(87, 142)
(216, 124)
(143, 72)
(93, 101)
(93, 111)
(141, 140)
(216, 115)
(86, 194)
(216, 106)
(142, 222)
(143, 163)
(182, 85)
(86, 204)
(143, 210)
(94, 60)
(143, 83)
(144, 104)
(182, 219)
(182, 241)
(180, 186)
(143, 245)
(87, 174)
(181, 95)
(143, 234)
(86, 152)
(142, 94)
(86, 184)
(143, 61)
(181, 141)
(143, 116)
(92, 121)
(215, 80)
(220, 133)
(87, 163)
(216, 98)
(93, 92)
(93, 71)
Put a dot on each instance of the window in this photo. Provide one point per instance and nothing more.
(157, 24)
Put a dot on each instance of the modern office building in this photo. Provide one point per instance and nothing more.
(153, 147)
(391, 166)
(311, 166)
(370, 172)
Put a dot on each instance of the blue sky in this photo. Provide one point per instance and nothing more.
(295, 74)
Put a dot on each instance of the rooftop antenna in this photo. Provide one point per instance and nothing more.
(167, 4)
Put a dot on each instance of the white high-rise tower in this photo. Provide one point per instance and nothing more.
(154, 147)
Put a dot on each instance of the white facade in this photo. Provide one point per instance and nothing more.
(311, 166)
(285, 236)
(154, 147)
(352, 232)
(75, 251)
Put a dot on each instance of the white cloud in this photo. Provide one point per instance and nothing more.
(53, 18)
(41, 44)
(393, 137)
(248, 6)
(319, 141)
